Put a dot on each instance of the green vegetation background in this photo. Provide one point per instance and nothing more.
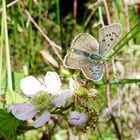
(61, 22)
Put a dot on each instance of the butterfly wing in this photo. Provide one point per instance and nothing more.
(108, 36)
(82, 42)
(93, 71)
(75, 61)
(85, 42)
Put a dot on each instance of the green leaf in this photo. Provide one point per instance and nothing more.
(135, 47)
(16, 81)
(8, 124)
(133, 32)
(13, 97)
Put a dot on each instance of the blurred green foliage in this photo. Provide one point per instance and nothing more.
(56, 19)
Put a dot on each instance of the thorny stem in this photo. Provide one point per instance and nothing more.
(108, 78)
(52, 44)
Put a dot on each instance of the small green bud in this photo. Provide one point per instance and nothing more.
(65, 72)
(81, 91)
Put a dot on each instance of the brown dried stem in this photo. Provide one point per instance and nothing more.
(108, 78)
(107, 12)
(75, 9)
(9, 5)
(52, 44)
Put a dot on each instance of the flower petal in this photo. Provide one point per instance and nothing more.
(23, 111)
(10, 107)
(61, 99)
(77, 118)
(52, 82)
(73, 84)
(30, 86)
(45, 117)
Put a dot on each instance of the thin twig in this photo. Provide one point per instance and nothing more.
(130, 42)
(108, 88)
(107, 12)
(100, 134)
(108, 78)
(120, 82)
(9, 5)
(52, 44)
(106, 65)
(117, 20)
(95, 4)
(116, 17)
(75, 9)
(100, 16)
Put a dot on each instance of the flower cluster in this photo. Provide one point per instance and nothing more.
(43, 99)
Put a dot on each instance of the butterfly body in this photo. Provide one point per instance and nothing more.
(88, 55)
(91, 56)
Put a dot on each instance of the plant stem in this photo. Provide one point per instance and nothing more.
(58, 12)
(59, 19)
(9, 5)
(89, 17)
(100, 16)
(108, 98)
(75, 9)
(121, 82)
(100, 134)
(52, 44)
(10, 85)
(1, 48)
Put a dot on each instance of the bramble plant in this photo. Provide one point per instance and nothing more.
(46, 101)
(40, 98)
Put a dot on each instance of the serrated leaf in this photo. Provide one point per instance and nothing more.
(8, 124)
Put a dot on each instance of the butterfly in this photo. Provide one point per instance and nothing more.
(88, 55)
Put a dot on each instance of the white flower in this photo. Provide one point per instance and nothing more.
(22, 111)
(61, 99)
(52, 82)
(77, 118)
(73, 85)
(40, 121)
(30, 86)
